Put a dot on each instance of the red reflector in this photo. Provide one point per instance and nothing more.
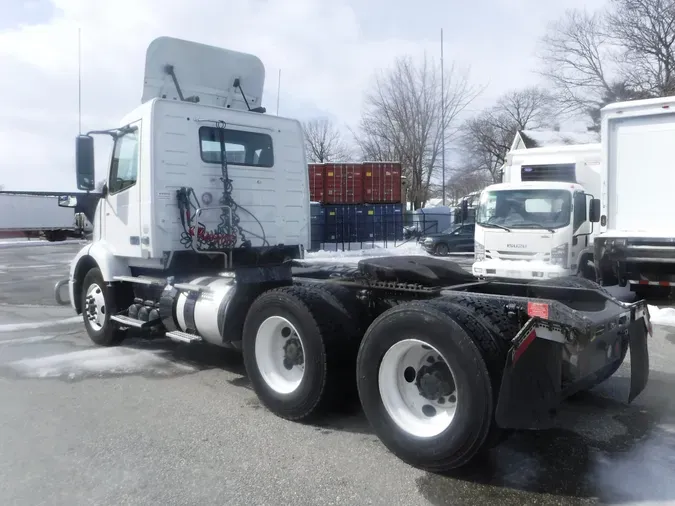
(664, 283)
(644, 282)
(539, 309)
(524, 345)
(666, 107)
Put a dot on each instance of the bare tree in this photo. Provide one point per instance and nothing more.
(487, 137)
(622, 53)
(403, 119)
(323, 142)
(463, 182)
(576, 53)
(645, 30)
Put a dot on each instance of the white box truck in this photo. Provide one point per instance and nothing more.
(637, 243)
(538, 223)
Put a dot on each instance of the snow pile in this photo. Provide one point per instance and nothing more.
(545, 138)
(662, 316)
(354, 255)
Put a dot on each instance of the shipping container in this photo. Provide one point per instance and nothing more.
(343, 183)
(316, 182)
(382, 182)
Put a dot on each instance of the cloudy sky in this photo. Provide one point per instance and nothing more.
(328, 51)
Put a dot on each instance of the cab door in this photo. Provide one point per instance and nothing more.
(122, 214)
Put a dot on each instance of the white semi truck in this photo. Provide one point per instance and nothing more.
(637, 243)
(540, 222)
(200, 233)
(27, 215)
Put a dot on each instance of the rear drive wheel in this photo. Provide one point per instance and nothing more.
(293, 354)
(428, 376)
(98, 304)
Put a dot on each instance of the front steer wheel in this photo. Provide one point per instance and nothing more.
(297, 352)
(98, 303)
(428, 377)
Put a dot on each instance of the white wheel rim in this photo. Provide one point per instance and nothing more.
(414, 413)
(279, 354)
(94, 307)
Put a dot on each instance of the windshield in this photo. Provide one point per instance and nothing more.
(525, 208)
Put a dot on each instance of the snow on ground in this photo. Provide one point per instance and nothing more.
(664, 316)
(352, 253)
(99, 362)
(25, 243)
(11, 327)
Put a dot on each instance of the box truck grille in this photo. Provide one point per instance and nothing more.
(561, 172)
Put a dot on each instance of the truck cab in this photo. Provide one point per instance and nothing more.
(199, 177)
(539, 223)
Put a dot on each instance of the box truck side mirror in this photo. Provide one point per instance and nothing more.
(84, 162)
(465, 210)
(594, 211)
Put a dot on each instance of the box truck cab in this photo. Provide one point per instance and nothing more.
(539, 223)
(637, 243)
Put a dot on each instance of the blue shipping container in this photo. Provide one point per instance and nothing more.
(317, 217)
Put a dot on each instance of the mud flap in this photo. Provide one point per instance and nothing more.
(639, 358)
(531, 383)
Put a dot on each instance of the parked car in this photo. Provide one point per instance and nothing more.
(455, 239)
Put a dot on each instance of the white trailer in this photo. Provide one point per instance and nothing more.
(538, 223)
(637, 243)
(36, 215)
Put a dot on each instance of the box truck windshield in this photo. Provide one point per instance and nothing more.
(525, 208)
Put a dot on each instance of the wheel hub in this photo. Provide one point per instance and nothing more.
(435, 381)
(417, 388)
(279, 354)
(293, 353)
(94, 307)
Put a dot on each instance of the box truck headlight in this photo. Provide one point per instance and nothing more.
(478, 251)
(560, 255)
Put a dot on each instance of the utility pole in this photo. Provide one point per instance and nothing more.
(442, 118)
(79, 81)
(278, 91)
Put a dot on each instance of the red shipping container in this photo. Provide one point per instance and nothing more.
(344, 183)
(316, 182)
(382, 182)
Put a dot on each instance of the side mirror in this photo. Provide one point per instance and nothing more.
(594, 211)
(84, 162)
(465, 210)
(67, 201)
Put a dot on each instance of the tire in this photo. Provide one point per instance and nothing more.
(441, 250)
(321, 330)
(476, 360)
(107, 333)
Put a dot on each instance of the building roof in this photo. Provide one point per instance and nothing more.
(542, 138)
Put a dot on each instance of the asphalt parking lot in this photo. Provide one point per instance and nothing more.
(160, 423)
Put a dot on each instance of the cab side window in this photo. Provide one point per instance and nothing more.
(124, 167)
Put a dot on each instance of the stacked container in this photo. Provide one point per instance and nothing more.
(382, 182)
(360, 202)
(316, 182)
